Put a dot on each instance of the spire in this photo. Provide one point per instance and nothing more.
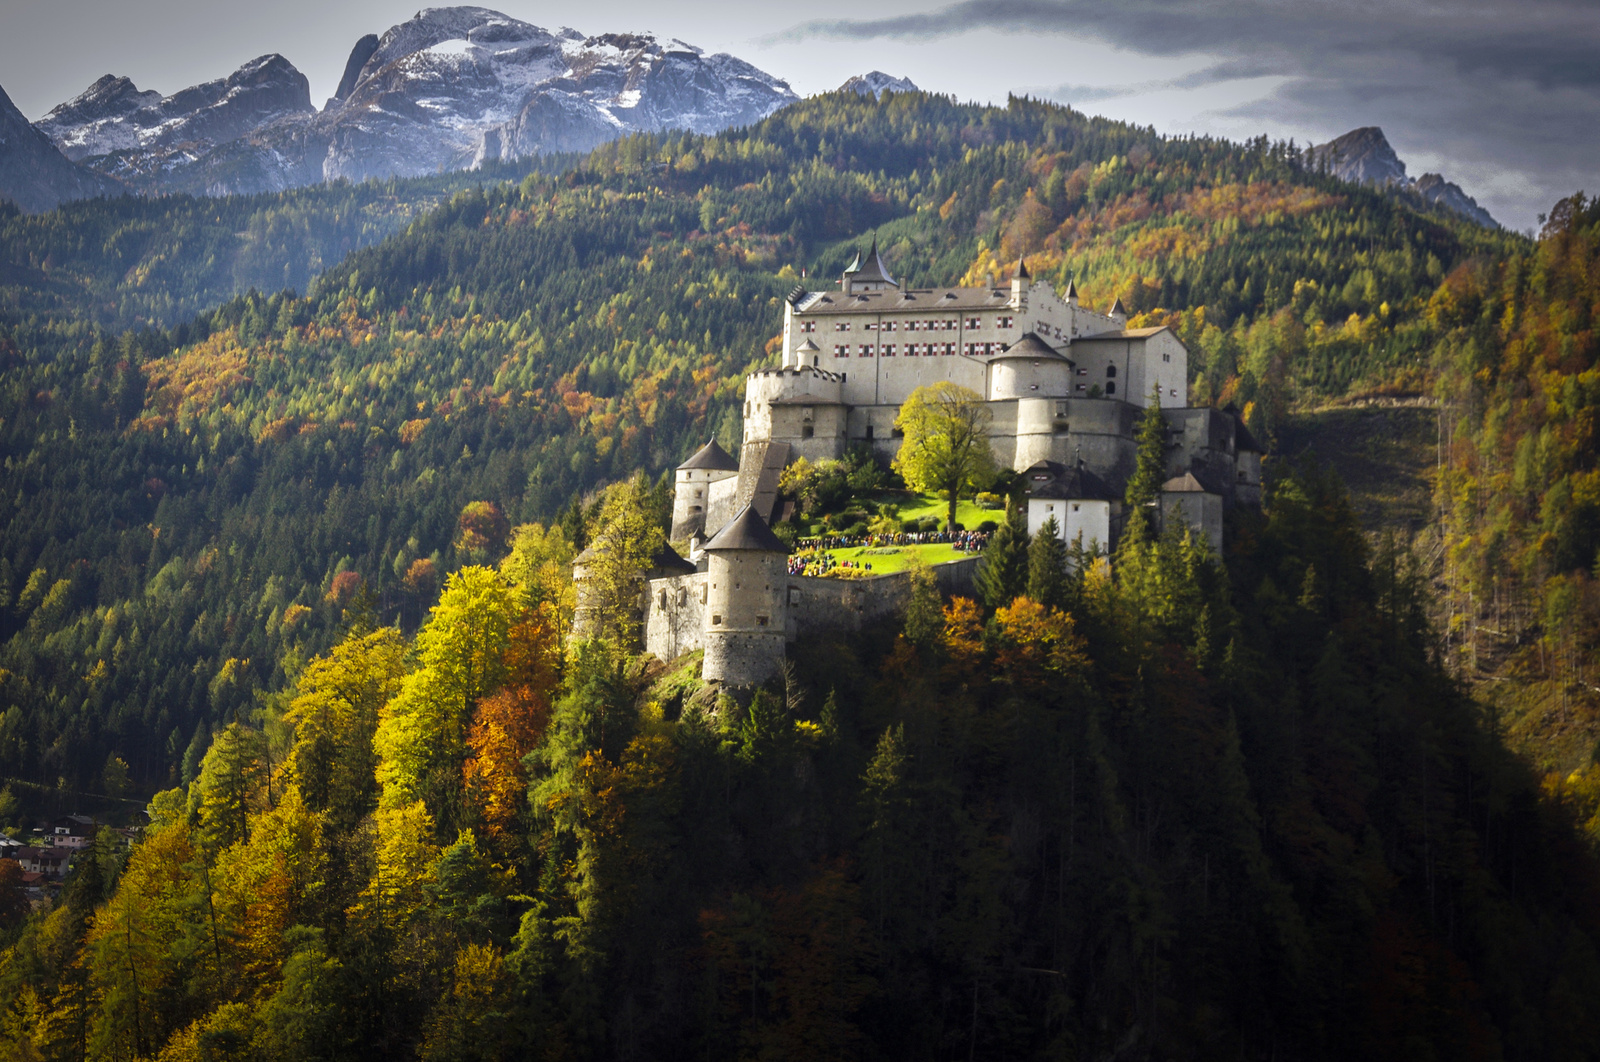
(1072, 291)
(1117, 310)
(1021, 272)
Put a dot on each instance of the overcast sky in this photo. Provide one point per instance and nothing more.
(1501, 96)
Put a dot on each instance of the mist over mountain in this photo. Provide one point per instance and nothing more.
(33, 173)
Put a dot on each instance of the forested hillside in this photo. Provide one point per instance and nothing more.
(1177, 811)
(191, 495)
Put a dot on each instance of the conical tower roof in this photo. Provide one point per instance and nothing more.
(872, 267)
(1031, 346)
(712, 458)
(1072, 290)
(1021, 272)
(746, 531)
(1117, 310)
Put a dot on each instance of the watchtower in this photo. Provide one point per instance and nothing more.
(691, 494)
(747, 608)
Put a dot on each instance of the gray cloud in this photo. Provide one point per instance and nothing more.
(1505, 94)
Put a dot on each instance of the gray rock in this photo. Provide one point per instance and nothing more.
(1363, 156)
(876, 83)
(34, 174)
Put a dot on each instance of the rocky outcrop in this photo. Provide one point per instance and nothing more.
(112, 116)
(34, 174)
(354, 65)
(877, 83)
(447, 89)
(1365, 157)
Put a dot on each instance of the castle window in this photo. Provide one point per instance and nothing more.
(1083, 372)
(807, 431)
(661, 600)
(974, 322)
(702, 593)
(1074, 508)
(1005, 322)
(866, 350)
(949, 348)
(888, 350)
(761, 621)
(716, 621)
(1111, 388)
(869, 326)
(911, 326)
(887, 326)
(808, 326)
(1111, 371)
(841, 326)
(840, 350)
(695, 508)
(1083, 387)
(869, 432)
(1172, 392)
(794, 595)
(683, 596)
(1166, 357)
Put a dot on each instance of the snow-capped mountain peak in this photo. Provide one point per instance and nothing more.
(450, 87)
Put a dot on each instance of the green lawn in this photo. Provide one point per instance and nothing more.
(968, 515)
(888, 559)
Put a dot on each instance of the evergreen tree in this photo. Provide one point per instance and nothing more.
(1150, 471)
(1004, 574)
(1047, 566)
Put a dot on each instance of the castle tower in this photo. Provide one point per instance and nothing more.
(691, 495)
(747, 603)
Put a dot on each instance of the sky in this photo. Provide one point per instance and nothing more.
(1500, 96)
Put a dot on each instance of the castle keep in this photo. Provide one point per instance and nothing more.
(1065, 387)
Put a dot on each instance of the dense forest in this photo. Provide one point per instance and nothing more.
(289, 551)
(1148, 809)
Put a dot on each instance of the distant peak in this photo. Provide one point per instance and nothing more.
(876, 83)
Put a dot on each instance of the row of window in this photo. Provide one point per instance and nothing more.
(911, 326)
(889, 350)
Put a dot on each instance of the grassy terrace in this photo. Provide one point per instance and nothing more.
(886, 560)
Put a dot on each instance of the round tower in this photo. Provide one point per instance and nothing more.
(691, 495)
(747, 604)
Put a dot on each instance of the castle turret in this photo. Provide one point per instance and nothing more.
(1117, 313)
(746, 611)
(868, 274)
(692, 488)
(1021, 280)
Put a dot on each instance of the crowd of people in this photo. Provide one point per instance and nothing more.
(963, 541)
(812, 556)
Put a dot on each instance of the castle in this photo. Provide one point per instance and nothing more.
(1065, 387)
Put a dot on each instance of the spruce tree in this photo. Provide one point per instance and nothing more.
(1004, 574)
(1047, 566)
(1144, 486)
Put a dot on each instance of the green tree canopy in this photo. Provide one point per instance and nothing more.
(945, 444)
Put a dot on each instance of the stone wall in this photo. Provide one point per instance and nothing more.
(674, 619)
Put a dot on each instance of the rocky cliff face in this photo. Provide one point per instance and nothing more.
(876, 83)
(33, 173)
(112, 116)
(1365, 157)
(446, 89)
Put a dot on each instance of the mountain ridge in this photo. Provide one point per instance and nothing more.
(447, 89)
(1365, 156)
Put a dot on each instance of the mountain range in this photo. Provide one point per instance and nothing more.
(1365, 157)
(447, 89)
(450, 89)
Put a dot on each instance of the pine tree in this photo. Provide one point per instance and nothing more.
(1144, 486)
(1004, 574)
(1047, 566)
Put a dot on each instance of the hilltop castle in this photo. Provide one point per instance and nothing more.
(1065, 387)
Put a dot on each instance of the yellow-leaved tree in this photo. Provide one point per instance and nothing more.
(945, 448)
(421, 738)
